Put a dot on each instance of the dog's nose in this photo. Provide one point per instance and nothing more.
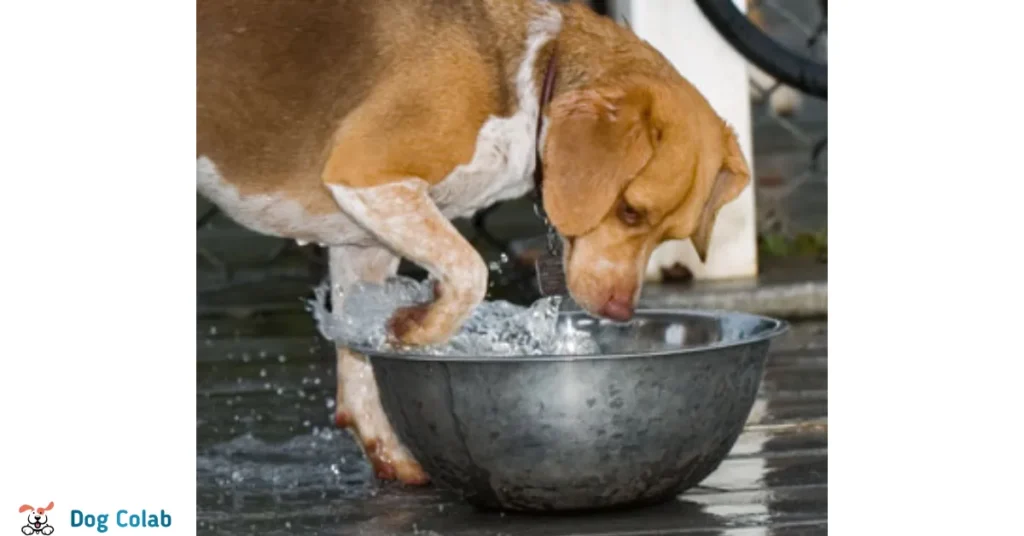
(619, 307)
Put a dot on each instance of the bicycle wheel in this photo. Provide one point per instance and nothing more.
(757, 47)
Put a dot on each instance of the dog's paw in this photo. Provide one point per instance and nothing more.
(343, 419)
(406, 325)
(420, 325)
(388, 466)
(26, 530)
(47, 531)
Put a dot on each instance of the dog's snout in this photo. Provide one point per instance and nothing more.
(619, 306)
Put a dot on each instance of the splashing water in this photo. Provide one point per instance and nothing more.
(494, 328)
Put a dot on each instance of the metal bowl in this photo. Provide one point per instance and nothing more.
(651, 416)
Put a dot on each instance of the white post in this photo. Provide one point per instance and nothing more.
(680, 31)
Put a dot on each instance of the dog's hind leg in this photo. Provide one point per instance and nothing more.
(358, 403)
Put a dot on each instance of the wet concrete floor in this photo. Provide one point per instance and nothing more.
(271, 462)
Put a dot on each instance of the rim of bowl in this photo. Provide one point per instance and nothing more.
(776, 327)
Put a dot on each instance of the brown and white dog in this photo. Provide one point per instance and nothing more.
(367, 126)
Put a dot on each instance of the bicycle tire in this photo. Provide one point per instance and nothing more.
(758, 48)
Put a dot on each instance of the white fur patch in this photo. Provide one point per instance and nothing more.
(503, 163)
(357, 394)
(275, 215)
(406, 221)
(395, 213)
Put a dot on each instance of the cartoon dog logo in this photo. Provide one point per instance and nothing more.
(38, 523)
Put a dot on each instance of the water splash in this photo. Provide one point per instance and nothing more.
(494, 328)
(306, 462)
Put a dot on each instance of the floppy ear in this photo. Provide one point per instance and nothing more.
(25, 508)
(49, 506)
(732, 178)
(597, 140)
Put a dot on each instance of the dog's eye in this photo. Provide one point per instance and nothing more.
(629, 215)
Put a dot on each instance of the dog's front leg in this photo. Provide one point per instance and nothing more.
(358, 405)
(402, 216)
(27, 529)
(47, 530)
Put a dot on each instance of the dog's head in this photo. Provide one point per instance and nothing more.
(36, 516)
(627, 165)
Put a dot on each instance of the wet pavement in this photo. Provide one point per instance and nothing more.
(271, 462)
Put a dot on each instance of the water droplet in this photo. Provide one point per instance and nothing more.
(245, 358)
(316, 381)
(329, 403)
(335, 469)
(213, 330)
(280, 390)
(281, 358)
(237, 476)
(263, 373)
(305, 423)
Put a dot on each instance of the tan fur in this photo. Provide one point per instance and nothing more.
(360, 109)
(597, 142)
(672, 150)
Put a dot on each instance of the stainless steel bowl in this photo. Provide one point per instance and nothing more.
(652, 415)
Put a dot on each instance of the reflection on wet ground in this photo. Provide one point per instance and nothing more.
(271, 462)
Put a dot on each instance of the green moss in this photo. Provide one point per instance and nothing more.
(802, 245)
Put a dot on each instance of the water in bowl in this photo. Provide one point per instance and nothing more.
(495, 328)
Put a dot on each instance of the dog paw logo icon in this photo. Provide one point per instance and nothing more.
(38, 523)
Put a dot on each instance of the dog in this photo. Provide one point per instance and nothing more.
(38, 522)
(368, 126)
